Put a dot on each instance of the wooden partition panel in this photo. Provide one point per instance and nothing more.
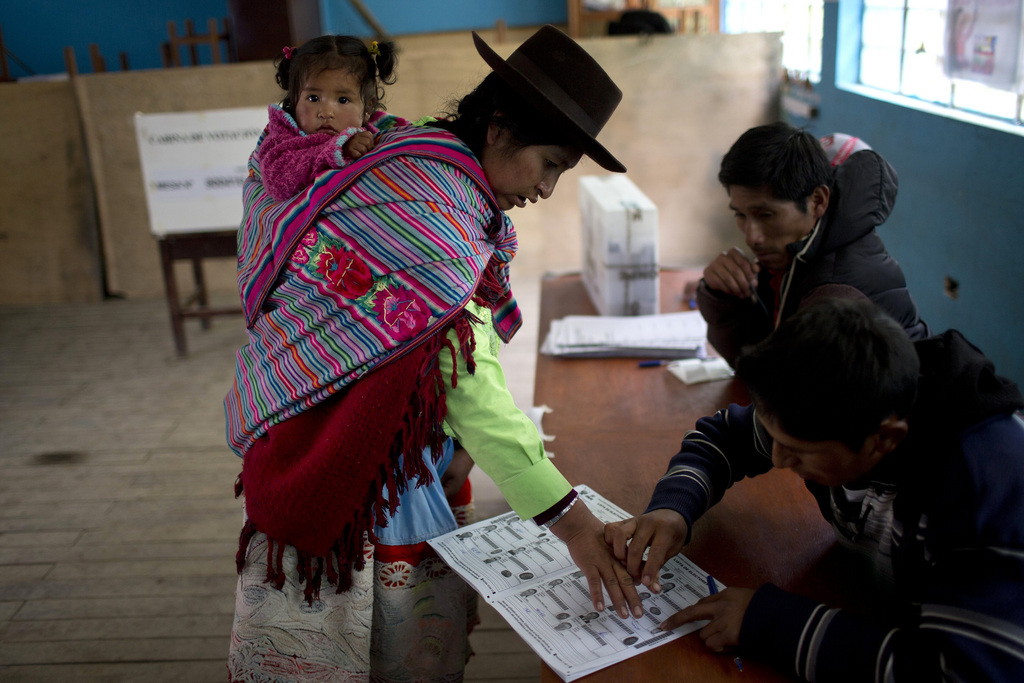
(49, 250)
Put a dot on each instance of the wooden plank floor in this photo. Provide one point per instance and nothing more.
(118, 526)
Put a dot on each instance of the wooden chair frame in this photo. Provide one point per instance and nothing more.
(193, 247)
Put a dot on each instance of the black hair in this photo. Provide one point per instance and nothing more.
(834, 371)
(337, 52)
(493, 101)
(789, 162)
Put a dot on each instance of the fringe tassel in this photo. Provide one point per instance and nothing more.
(490, 288)
(302, 561)
(346, 554)
(467, 342)
(310, 568)
(311, 576)
(313, 588)
(421, 425)
(248, 531)
(332, 573)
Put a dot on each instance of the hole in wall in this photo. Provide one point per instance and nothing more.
(951, 288)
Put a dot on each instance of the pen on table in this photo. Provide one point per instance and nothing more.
(652, 363)
(712, 589)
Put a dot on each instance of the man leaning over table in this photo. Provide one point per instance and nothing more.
(915, 454)
(807, 223)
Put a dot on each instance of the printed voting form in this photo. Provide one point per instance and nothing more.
(526, 574)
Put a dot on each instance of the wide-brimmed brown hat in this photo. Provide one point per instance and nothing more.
(563, 83)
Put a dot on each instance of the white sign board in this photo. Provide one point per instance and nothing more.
(193, 165)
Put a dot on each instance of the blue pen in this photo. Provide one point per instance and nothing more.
(652, 363)
(712, 589)
(760, 302)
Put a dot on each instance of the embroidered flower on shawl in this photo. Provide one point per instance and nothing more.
(401, 311)
(300, 255)
(346, 273)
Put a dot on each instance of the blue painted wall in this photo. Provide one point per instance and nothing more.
(415, 16)
(36, 32)
(960, 210)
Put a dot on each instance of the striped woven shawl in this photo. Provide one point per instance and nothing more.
(368, 269)
(372, 258)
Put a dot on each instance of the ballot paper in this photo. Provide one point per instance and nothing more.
(526, 574)
(666, 335)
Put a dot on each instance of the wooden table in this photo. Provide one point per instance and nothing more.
(616, 427)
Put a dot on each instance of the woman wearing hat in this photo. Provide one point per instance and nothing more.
(375, 303)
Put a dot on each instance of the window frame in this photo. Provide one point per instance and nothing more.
(737, 9)
(847, 77)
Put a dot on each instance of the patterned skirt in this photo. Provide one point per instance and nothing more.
(405, 618)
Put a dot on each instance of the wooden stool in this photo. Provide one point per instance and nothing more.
(193, 246)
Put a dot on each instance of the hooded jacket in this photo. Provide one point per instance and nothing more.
(843, 249)
(939, 523)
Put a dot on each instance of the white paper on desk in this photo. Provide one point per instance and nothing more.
(667, 335)
(526, 574)
(695, 370)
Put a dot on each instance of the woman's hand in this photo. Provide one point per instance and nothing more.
(725, 611)
(583, 533)
(455, 476)
(663, 531)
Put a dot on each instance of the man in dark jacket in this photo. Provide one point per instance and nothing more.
(808, 225)
(915, 454)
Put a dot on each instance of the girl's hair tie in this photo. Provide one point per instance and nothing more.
(374, 49)
(288, 52)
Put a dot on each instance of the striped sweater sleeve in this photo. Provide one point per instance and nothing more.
(929, 642)
(720, 450)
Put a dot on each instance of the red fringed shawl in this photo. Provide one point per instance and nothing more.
(316, 479)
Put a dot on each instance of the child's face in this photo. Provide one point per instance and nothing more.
(329, 102)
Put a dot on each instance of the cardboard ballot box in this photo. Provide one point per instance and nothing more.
(620, 246)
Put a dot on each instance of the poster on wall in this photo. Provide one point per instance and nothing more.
(193, 165)
(983, 41)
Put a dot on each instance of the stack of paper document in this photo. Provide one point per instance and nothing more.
(666, 335)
